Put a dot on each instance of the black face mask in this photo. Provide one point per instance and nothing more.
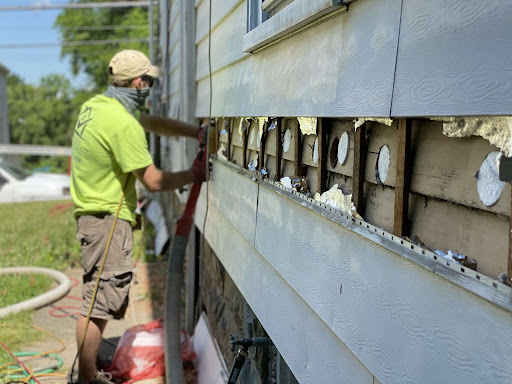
(142, 94)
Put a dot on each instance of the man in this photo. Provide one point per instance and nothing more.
(109, 153)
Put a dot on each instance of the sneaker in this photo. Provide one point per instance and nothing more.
(102, 378)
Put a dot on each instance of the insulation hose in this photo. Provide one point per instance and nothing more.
(39, 301)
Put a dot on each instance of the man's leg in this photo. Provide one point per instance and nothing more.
(87, 359)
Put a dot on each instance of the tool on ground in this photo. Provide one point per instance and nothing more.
(173, 361)
(243, 352)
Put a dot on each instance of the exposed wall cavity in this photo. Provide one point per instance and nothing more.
(361, 120)
(496, 129)
(221, 153)
(307, 125)
(315, 152)
(261, 123)
(243, 126)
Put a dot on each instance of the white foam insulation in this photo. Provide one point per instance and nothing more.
(381, 120)
(221, 153)
(307, 125)
(496, 129)
(335, 198)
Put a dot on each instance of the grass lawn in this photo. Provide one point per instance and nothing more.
(39, 234)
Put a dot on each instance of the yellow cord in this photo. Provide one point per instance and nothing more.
(104, 259)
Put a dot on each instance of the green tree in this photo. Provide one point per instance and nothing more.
(43, 114)
(89, 25)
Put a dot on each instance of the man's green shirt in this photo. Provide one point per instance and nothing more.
(108, 144)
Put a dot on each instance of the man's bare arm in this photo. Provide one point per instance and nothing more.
(167, 127)
(156, 180)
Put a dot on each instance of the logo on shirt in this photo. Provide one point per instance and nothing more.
(83, 119)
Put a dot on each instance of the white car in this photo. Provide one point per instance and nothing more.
(18, 185)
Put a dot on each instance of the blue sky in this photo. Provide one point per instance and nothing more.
(28, 27)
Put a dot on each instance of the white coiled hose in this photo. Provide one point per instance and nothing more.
(39, 301)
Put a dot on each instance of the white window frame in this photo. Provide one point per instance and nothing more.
(290, 19)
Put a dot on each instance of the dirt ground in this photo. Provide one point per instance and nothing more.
(59, 318)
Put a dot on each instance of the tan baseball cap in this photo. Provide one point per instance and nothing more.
(129, 64)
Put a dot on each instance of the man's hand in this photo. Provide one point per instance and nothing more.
(199, 170)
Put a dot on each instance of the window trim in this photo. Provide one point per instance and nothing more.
(269, 6)
(295, 16)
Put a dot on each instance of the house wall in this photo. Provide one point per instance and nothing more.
(343, 300)
(5, 136)
(352, 303)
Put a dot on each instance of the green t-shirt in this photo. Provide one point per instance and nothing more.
(108, 144)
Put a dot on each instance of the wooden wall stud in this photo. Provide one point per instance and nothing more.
(360, 151)
(322, 155)
(403, 178)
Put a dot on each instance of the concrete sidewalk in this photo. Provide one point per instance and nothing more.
(146, 304)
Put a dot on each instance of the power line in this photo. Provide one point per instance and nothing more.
(81, 28)
(117, 4)
(74, 43)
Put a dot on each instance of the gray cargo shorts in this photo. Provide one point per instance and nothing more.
(112, 296)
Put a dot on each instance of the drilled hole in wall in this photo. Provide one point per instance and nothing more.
(462, 270)
(343, 147)
(287, 140)
(383, 162)
(478, 277)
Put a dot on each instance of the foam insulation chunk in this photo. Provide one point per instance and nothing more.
(361, 120)
(244, 124)
(307, 125)
(496, 129)
(221, 153)
(335, 198)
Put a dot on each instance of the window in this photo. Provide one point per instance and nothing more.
(271, 7)
(287, 17)
(255, 15)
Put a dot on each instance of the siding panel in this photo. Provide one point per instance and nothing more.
(342, 67)
(454, 58)
(226, 43)
(220, 9)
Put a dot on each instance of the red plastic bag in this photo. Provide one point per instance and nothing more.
(140, 352)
